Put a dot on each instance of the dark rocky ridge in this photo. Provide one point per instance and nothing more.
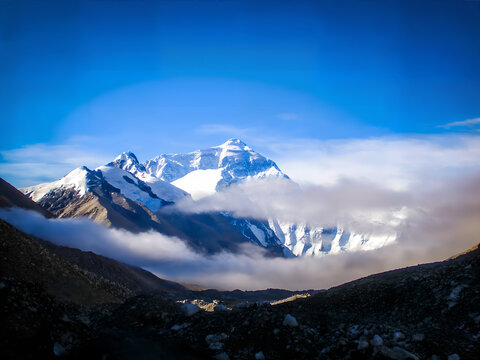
(11, 197)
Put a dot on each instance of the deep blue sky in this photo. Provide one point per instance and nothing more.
(178, 75)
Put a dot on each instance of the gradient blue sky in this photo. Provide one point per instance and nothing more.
(173, 76)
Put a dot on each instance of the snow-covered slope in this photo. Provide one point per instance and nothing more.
(163, 189)
(83, 180)
(76, 179)
(200, 183)
(302, 239)
(234, 160)
(131, 187)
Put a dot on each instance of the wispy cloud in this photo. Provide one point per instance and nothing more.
(37, 163)
(465, 123)
(288, 116)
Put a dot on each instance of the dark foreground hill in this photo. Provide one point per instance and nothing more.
(424, 312)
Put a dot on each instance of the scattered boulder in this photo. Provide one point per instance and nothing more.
(259, 356)
(397, 353)
(190, 309)
(289, 320)
(377, 340)
(362, 345)
(215, 341)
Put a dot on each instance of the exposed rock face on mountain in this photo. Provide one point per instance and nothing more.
(116, 198)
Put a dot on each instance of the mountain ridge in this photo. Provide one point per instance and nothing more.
(170, 178)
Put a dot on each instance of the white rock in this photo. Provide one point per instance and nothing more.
(397, 335)
(418, 337)
(397, 353)
(222, 356)
(214, 341)
(220, 307)
(377, 341)
(190, 309)
(362, 344)
(290, 321)
(58, 349)
(259, 356)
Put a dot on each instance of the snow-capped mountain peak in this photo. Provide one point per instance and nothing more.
(76, 179)
(127, 161)
(205, 171)
(231, 143)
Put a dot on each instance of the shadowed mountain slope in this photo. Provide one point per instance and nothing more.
(11, 197)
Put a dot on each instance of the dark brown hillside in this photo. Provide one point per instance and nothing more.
(11, 197)
(24, 259)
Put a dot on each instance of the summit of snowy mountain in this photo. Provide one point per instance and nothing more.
(234, 142)
(127, 161)
(76, 179)
(205, 171)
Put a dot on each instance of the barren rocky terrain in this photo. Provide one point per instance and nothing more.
(423, 312)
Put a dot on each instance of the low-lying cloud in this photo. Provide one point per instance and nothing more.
(442, 223)
(350, 203)
(426, 190)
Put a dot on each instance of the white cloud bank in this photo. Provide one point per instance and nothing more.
(443, 223)
(394, 162)
(434, 182)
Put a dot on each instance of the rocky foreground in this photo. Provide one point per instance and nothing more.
(424, 312)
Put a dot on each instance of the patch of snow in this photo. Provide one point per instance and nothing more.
(259, 234)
